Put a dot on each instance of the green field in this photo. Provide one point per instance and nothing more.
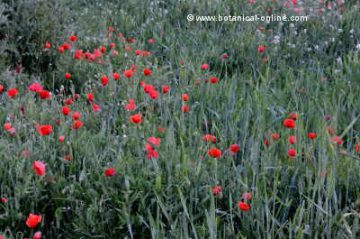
(174, 119)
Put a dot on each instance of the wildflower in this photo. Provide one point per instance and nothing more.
(234, 148)
(246, 196)
(185, 97)
(73, 38)
(312, 135)
(209, 138)
(61, 138)
(214, 152)
(205, 66)
(136, 118)
(216, 190)
(116, 76)
(291, 152)
(47, 45)
(95, 107)
(77, 124)
(275, 136)
(289, 123)
(165, 89)
(147, 72)
(65, 110)
(37, 235)
(44, 94)
(35, 87)
(104, 80)
(76, 115)
(33, 220)
(243, 206)
(128, 73)
(44, 130)
(130, 106)
(12, 93)
(214, 80)
(153, 141)
(90, 97)
(109, 172)
(39, 168)
(261, 48)
(184, 108)
(292, 139)
(67, 76)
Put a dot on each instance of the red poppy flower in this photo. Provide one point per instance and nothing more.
(209, 138)
(44, 130)
(77, 124)
(243, 206)
(292, 139)
(73, 38)
(90, 97)
(33, 220)
(116, 76)
(65, 110)
(7, 126)
(136, 118)
(153, 94)
(151, 41)
(68, 101)
(312, 135)
(1, 89)
(275, 136)
(95, 107)
(67, 76)
(102, 49)
(165, 89)
(104, 80)
(109, 172)
(130, 106)
(185, 97)
(76, 115)
(246, 196)
(44, 94)
(216, 190)
(291, 152)
(35, 87)
(147, 71)
(214, 152)
(234, 148)
(214, 80)
(337, 140)
(261, 48)
(47, 45)
(112, 45)
(39, 168)
(289, 123)
(293, 116)
(37, 235)
(184, 108)
(61, 138)
(153, 141)
(3, 200)
(12, 93)
(266, 142)
(205, 66)
(61, 49)
(357, 148)
(128, 73)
